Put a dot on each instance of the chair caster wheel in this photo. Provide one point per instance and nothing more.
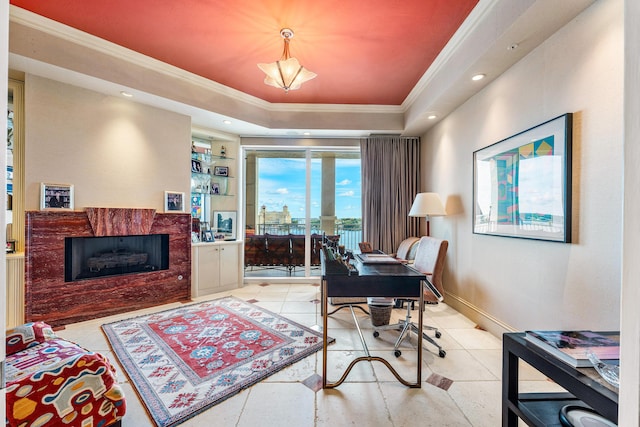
(376, 334)
(397, 353)
(438, 334)
(442, 353)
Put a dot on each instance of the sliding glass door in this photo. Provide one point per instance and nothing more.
(295, 199)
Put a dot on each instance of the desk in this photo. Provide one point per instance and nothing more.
(373, 280)
(542, 409)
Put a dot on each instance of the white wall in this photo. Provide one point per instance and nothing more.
(507, 283)
(116, 152)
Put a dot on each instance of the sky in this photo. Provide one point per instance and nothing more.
(282, 182)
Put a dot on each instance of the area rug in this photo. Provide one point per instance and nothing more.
(185, 360)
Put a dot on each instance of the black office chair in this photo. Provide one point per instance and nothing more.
(430, 261)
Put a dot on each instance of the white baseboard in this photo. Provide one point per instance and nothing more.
(483, 319)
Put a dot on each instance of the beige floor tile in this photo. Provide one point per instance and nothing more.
(475, 339)
(273, 404)
(459, 365)
(479, 401)
(352, 404)
(425, 406)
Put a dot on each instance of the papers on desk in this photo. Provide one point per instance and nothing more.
(377, 259)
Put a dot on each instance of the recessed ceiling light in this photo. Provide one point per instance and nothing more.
(226, 122)
(513, 46)
(432, 116)
(478, 77)
(127, 94)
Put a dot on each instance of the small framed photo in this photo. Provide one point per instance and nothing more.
(208, 236)
(215, 188)
(224, 222)
(173, 201)
(56, 196)
(221, 170)
(196, 166)
(194, 237)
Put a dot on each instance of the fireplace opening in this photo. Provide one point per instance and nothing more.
(91, 257)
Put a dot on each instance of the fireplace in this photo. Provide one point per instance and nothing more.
(117, 238)
(92, 257)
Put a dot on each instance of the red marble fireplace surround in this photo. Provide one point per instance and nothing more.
(49, 298)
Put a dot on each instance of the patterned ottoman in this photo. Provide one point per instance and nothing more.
(54, 382)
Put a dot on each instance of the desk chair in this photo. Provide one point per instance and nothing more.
(429, 260)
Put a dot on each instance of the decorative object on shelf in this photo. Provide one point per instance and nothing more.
(221, 170)
(225, 222)
(522, 184)
(223, 151)
(608, 371)
(207, 236)
(194, 237)
(286, 73)
(196, 166)
(56, 196)
(174, 201)
(582, 416)
(215, 188)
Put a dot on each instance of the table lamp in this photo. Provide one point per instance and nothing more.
(426, 205)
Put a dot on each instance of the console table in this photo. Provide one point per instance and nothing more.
(583, 385)
(383, 280)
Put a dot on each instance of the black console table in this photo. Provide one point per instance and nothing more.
(583, 385)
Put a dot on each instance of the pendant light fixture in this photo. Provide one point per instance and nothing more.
(286, 73)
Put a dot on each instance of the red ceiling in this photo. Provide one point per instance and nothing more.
(364, 51)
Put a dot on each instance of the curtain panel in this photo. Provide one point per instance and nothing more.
(390, 182)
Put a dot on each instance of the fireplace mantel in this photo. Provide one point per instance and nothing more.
(49, 298)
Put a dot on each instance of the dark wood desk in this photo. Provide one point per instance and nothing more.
(542, 409)
(372, 280)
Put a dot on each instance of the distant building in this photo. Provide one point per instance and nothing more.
(274, 217)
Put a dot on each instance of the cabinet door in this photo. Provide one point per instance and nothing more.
(229, 263)
(208, 269)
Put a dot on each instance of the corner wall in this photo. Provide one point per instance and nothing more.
(116, 152)
(527, 284)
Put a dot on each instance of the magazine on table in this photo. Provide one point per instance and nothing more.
(571, 346)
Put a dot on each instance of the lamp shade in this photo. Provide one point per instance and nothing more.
(426, 205)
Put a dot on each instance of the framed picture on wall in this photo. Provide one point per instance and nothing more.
(56, 196)
(522, 184)
(224, 222)
(174, 201)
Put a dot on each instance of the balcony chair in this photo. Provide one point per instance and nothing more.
(429, 259)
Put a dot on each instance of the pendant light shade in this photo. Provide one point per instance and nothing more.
(286, 73)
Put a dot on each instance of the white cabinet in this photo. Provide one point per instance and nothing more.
(214, 267)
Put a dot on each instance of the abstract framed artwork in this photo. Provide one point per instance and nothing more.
(522, 184)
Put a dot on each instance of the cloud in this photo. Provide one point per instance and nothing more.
(344, 182)
(349, 193)
(282, 191)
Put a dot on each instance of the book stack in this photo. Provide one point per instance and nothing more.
(571, 346)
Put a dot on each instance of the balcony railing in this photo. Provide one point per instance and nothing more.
(350, 236)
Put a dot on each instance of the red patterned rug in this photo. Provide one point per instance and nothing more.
(185, 360)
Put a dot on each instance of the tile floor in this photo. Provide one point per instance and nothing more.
(462, 389)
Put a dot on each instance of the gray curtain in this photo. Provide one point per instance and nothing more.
(390, 182)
